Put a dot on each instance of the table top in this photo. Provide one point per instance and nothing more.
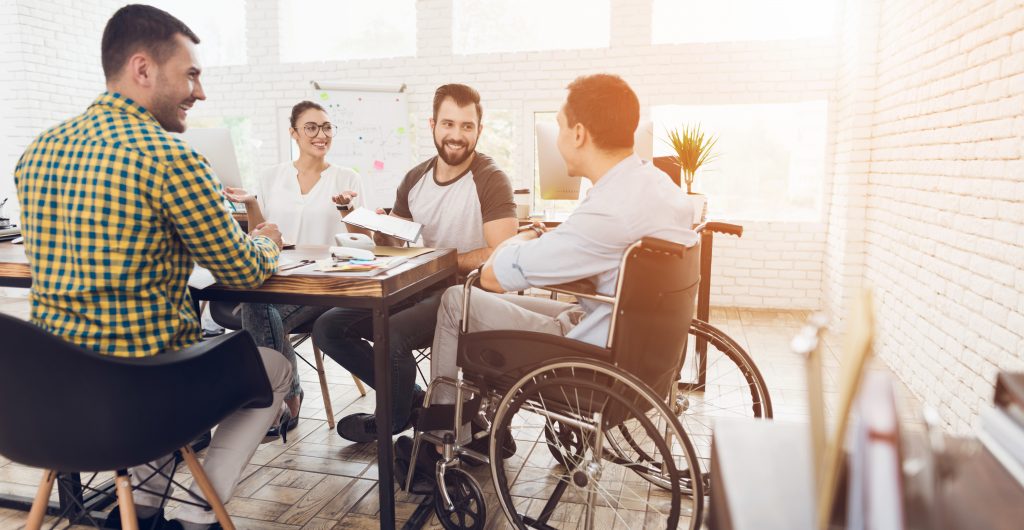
(14, 272)
(763, 481)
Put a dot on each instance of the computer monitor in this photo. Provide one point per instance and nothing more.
(555, 182)
(215, 144)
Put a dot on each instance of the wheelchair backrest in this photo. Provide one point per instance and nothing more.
(655, 301)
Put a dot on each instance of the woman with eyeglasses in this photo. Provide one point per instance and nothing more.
(302, 198)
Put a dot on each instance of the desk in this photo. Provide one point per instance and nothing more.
(762, 478)
(378, 293)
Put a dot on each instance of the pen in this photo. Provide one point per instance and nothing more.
(300, 263)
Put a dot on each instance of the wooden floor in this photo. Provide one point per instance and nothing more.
(319, 481)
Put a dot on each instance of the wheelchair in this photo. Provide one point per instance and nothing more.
(594, 439)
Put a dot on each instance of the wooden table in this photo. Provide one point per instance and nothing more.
(378, 293)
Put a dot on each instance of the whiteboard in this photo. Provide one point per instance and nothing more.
(374, 138)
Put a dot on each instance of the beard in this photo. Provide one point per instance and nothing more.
(164, 108)
(454, 160)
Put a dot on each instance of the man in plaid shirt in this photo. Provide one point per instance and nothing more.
(114, 213)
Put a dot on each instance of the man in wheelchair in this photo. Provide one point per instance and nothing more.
(630, 200)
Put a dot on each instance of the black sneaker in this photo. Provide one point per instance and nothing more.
(424, 477)
(155, 522)
(175, 524)
(359, 428)
(362, 428)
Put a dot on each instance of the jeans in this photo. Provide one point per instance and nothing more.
(344, 334)
(270, 325)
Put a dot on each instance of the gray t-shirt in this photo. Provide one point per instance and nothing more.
(453, 213)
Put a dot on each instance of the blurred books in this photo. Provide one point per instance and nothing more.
(6, 234)
(875, 489)
(1001, 429)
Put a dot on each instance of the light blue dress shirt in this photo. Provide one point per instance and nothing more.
(631, 201)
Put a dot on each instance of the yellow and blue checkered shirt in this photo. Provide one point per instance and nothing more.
(114, 211)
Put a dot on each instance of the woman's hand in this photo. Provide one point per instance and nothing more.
(238, 195)
(344, 197)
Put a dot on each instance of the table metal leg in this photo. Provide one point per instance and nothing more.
(382, 379)
(707, 241)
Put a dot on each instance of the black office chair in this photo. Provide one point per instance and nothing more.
(68, 409)
(227, 316)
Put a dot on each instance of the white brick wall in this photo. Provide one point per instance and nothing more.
(847, 197)
(11, 64)
(54, 73)
(945, 206)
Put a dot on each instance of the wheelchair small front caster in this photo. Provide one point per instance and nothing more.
(469, 511)
(565, 443)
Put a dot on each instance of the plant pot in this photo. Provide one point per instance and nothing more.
(700, 207)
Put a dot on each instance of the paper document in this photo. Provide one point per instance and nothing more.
(358, 267)
(385, 224)
(289, 267)
(404, 252)
(201, 278)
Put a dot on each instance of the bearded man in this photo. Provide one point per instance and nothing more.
(463, 202)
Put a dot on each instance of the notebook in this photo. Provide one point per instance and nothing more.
(385, 224)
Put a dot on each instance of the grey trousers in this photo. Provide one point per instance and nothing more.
(230, 450)
(490, 311)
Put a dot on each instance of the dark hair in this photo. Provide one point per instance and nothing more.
(140, 26)
(462, 95)
(607, 108)
(301, 107)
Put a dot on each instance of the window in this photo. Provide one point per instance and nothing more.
(529, 25)
(498, 140)
(220, 27)
(242, 138)
(341, 31)
(684, 21)
(771, 157)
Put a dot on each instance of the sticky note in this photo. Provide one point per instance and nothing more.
(378, 165)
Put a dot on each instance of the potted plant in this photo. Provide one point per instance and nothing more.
(693, 149)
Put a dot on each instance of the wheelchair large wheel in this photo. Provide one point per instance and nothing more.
(590, 485)
(732, 387)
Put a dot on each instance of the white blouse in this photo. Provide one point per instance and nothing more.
(310, 219)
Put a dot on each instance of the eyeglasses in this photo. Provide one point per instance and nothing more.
(311, 129)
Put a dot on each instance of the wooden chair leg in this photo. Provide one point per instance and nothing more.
(359, 386)
(42, 501)
(123, 485)
(318, 356)
(200, 478)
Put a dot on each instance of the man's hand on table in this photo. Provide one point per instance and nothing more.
(269, 230)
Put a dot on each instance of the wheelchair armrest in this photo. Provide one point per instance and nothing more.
(580, 289)
(467, 289)
(505, 355)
